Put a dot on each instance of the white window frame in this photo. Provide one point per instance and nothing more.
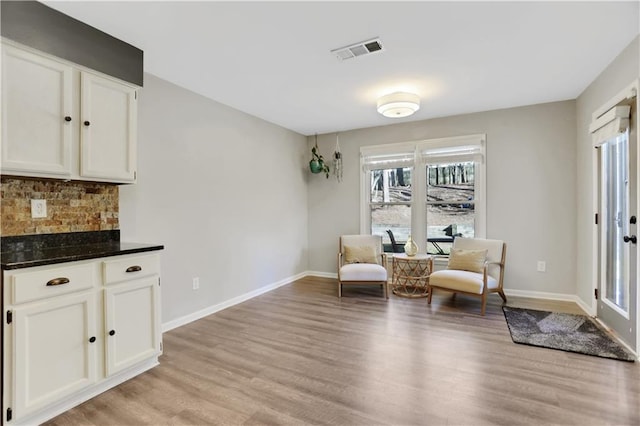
(626, 93)
(380, 156)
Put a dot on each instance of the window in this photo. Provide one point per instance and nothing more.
(390, 202)
(433, 190)
(387, 192)
(450, 204)
(451, 191)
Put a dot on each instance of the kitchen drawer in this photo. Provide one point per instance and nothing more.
(130, 268)
(50, 282)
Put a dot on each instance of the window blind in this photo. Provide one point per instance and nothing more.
(387, 161)
(454, 154)
(610, 124)
(432, 151)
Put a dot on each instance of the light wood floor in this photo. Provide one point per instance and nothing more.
(299, 355)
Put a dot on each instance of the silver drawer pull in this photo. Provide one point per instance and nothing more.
(58, 281)
(134, 268)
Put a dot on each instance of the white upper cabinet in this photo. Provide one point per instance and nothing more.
(108, 129)
(62, 121)
(37, 118)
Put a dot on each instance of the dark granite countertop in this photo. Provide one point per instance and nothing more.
(25, 252)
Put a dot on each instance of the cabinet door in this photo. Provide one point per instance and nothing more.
(36, 104)
(53, 355)
(132, 323)
(108, 129)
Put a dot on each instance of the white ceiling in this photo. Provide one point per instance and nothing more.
(272, 60)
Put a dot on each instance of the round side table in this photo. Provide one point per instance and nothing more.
(411, 275)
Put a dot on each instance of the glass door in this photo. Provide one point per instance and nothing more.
(617, 236)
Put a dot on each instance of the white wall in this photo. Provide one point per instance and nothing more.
(224, 191)
(227, 193)
(618, 75)
(531, 185)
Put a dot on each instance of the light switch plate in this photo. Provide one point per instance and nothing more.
(38, 209)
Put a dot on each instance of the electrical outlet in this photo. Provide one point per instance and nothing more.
(38, 209)
(196, 283)
(542, 266)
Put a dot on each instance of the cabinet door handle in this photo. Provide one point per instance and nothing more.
(112, 332)
(134, 268)
(92, 339)
(58, 281)
(67, 118)
(87, 123)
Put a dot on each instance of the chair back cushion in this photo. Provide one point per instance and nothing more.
(467, 260)
(360, 254)
(361, 247)
(493, 248)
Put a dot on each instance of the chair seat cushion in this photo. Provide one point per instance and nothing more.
(363, 272)
(470, 282)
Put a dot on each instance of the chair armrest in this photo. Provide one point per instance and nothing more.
(498, 264)
(486, 270)
(485, 274)
(437, 259)
(439, 256)
(339, 261)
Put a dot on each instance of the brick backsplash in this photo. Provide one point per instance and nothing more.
(71, 206)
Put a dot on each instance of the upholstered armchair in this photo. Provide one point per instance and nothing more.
(476, 267)
(361, 260)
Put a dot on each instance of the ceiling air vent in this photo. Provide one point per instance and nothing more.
(358, 49)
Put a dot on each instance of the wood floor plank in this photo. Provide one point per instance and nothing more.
(300, 355)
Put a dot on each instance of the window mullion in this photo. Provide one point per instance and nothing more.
(418, 207)
(365, 201)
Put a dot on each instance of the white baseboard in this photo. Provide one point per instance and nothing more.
(588, 309)
(509, 292)
(321, 274)
(563, 297)
(170, 325)
(541, 295)
(617, 338)
(79, 397)
(570, 298)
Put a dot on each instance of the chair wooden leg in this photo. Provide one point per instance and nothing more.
(454, 295)
(386, 290)
(430, 291)
(504, 298)
(484, 303)
(339, 289)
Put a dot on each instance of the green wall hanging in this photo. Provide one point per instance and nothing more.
(317, 164)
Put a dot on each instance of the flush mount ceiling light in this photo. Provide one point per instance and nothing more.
(398, 104)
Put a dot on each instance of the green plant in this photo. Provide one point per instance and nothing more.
(317, 164)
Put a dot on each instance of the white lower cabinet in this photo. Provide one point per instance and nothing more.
(70, 334)
(132, 332)
(55, 350)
